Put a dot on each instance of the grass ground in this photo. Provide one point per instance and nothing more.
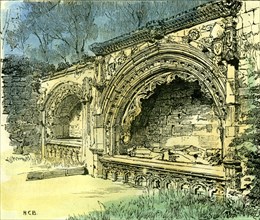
(52, 199)
(171, 205)
(57, 198)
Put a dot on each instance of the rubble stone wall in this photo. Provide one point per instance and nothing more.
(248, 36)
(177, 115)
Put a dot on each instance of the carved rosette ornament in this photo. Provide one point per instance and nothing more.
(193, 34)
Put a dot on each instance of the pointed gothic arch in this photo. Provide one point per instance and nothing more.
(61, 105)
(138, 77)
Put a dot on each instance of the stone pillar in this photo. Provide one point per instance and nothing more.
(99, 63)
(97, 148)
(232, 169)
(87, 100)
(114, 175)
(87, 154)
(222, 137)
(112, 140)
(104, 174)
(230, 122)
(231, 165)
(43, 135)
(99, 132)
(84, 131)
(97, 169)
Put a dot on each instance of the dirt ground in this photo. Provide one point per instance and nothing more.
(55, 198)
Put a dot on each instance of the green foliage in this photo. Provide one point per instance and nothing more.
(21, 79)
(61, 31)
(254, 169)
(54, 32)
(170, 205)
(247, 145)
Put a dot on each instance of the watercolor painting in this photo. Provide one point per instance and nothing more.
(130, 109)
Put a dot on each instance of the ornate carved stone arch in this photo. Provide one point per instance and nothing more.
(56, 96)
(60, 91)
(139, 76)
(171, 181)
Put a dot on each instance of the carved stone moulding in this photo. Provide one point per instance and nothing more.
(62, 154)
(162, 179)
(183, 71)
(150, 67)
(60, 91)
(144, 91)
(55, 99)
(134, 107)
(157, 29)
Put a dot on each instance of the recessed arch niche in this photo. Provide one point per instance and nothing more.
(176, 116)
(63, 109)
(68, 118)
(139, 77)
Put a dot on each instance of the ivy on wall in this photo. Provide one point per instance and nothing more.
(21, 91)
(247, 145)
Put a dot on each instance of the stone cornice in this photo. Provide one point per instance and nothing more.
(158, 29)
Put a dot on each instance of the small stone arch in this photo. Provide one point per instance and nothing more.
(170, 183)
(105, 173)
(141, 180)
(218, 192)
(199, 189)
(126, 176)
(60, 91)
(115, 175)
(75, 156)
(156, 182)
(60, 105)
(185, 187)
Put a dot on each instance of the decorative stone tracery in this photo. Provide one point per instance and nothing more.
(149, 68)
(57, 107)
(152, 178)
(55, 98)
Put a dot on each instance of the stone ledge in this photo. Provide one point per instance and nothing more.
(47, 174)
(192, 169)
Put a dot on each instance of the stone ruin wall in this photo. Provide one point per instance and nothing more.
(248, 32)
(178, 115)
(248, 28)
